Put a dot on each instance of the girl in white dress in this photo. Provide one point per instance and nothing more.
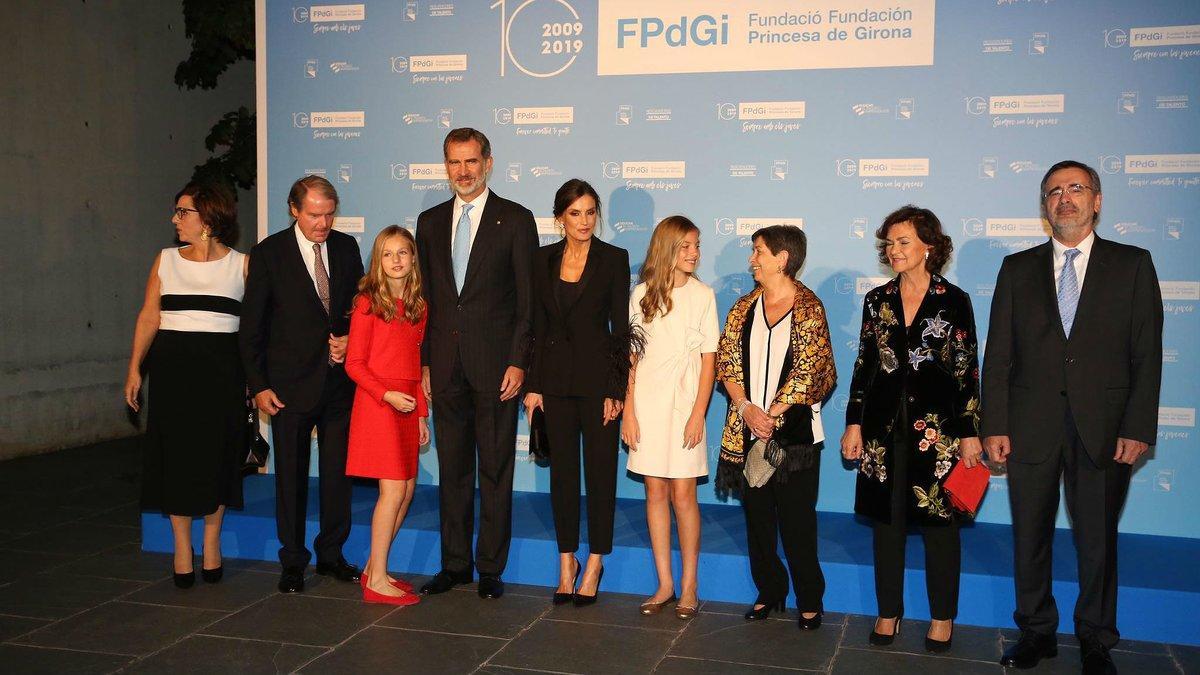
(669, 389)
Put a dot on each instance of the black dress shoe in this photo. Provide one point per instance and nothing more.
(490, 586)
(444, 581)
(212, 576)
(1028, 650)
(1096, 659)
(582, 600)
(291, 580)
(811, 623)
(340, 570)
(760, 613)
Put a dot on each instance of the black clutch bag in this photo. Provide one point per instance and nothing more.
(539, 446)
(257, 446)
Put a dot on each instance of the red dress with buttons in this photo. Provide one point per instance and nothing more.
(384, 356)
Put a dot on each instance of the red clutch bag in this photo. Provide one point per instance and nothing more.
(966, 486)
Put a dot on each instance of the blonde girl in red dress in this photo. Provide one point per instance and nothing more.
(388, 422)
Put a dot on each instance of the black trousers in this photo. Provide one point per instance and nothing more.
(465, 418)
(1094, 498)
(568, 417)
(786, 510)
(943, 553)
(291, 431)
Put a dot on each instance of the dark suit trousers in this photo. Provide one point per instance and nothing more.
(463, 418)
(943, 552)
(786, 510)
(566, 418)
(1094, 498)
(292, 433)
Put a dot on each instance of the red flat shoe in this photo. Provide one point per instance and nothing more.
(371, 597)
(396, 583)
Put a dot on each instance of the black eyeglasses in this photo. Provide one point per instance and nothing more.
(182, 211)
(1072, 189)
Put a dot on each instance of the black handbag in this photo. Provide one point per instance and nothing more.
(539, 445)
(257, 447)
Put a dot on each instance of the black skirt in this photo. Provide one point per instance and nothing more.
(196, 435)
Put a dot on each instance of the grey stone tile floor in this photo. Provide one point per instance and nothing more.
(78, 595)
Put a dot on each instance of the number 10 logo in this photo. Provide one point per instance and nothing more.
(555, 38)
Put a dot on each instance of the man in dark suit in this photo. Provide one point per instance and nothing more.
(476, 251)
(293, 338)
(1070, 383)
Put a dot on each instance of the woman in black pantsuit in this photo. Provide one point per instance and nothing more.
(776, 363)
(913, 415)
(578, 377)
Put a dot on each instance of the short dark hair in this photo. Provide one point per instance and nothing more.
(464, 135)
(319, 183)
(785, 238)
(217, 207)
(1069, 164)
(572, 190)
(929, 231)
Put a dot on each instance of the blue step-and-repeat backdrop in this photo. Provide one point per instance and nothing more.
(824, 114)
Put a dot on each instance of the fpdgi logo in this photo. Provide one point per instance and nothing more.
(610, 169)
(726, 111)
(1116, 38)
(299, 15)
(724, 226)
(972, 227)
(399, 64)
(847, 168)
(300, 120)
(703, 30)
(1111, 164)
(976, 105)
(624, 115)
(502, 115)
(310, 68)
(399, 171)
(445, 117)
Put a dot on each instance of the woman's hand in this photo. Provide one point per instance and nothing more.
(971, 450)
(133, 386)
(761, 424)
(533, 402)
(400, 401)
(693, 431)
(612, 409)
(423, 433)
(852, 443)
(631, 433)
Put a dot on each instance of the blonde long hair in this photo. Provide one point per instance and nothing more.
(374, 283)
(658, 272)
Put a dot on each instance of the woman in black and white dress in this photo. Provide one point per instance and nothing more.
(186, 334)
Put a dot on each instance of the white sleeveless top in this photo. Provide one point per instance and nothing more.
(768, 346)
(201, 297)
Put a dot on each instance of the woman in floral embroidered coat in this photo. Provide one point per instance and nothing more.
(913, 414)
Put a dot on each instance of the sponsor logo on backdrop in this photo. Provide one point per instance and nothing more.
(858, 228)
(1038, 44)
(864, 284)
(337, 125)
(300, 120)
(624, 115)
(726, 111)
(1180, 290)
(985, 290)
(647, 175)
(1170, 355)
(513, 173)
(342, 66)
(344, 173)
(997, 46)
(1164, 35)
(1163, 480)
(743, 170)
(844, 285)
(431, 69)
(422, 177)
(399, 64)
(399, 171)
(1154, 43)
(350, 224)
(624, 226)
(1024, 165)
(779, 169)
(540, 43)
(1032, 110)
(539, 121)
(1111, 164)
(543, 171)
(547, 226)
(973, 227)
(1182, 163)
(744, 227)
(331, 18)
(976, 105)
(905, 107)
(438, 9)
(863, 109)
(415, 118)
(1016, 227)
(1171, 102)
(724, 226)
(658, 114)
(410, 10)
(1115, 38)
(315, 172)
(770, 116)
(987, 167)
(310, 68)
(1127, 103)
(871, 169)
(1173, 229)
(1131, 227)
(1176, 417)
(680, 36)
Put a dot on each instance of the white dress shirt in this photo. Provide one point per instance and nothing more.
(1081, 260)
(475, 214)
(768, 347)
(310, 258)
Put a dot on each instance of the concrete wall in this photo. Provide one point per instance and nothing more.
(95, 139)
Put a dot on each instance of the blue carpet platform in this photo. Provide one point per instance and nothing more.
(1159, 593)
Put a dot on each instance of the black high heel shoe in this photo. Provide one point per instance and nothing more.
(187, 579)
(810, 623)
(214, 575)
(881, 640)
(939, 646)
(760, 613)
(564, 598)
(585, 600)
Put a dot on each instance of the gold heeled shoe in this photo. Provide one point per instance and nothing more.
(684, 612)
(648, 608)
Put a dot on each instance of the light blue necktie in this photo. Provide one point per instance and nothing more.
(462, 247)
(1068, 290)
